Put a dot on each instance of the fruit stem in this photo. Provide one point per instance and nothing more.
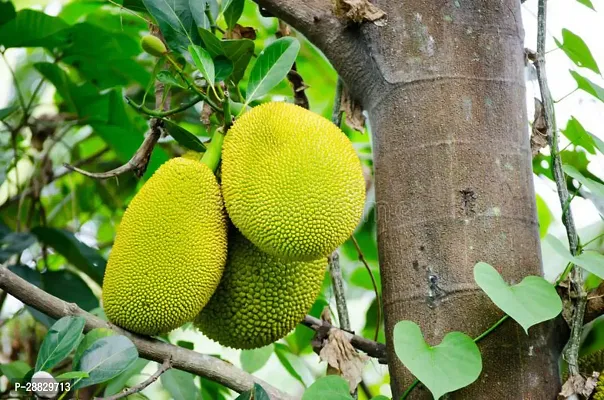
(211, 157)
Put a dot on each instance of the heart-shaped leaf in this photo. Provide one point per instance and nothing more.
(531, 301)
(576, 49)
(453, 364)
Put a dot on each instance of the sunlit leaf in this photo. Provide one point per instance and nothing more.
(588, 86)
(253, 360)
(529, 302)
(176, 21)
(88, 340)
(179, 384)
(576, 49)
(204, 63)
(271, 67)
(198, 11)
(233, 12)
(575, 132)
(332, 387)
(283, 352)
(454, 363)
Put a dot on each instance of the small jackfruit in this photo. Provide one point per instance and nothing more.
(153, 45)
(260, 298)
(292, 182)
(170, 250)
(599, 391)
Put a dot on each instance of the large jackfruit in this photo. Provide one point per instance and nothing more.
(260, 299)
(292, 182)
(170, 250)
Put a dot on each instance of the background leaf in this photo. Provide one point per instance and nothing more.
(180, 384)
(176, 22)
(30, 28)
(576, 49)
(233, 12)
(184, 137)
(253, 360)
(332, 387)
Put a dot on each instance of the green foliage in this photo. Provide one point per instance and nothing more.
(179, 384)
(454, 363)
(529, 302)
(257, 393)
(62, 339)
(576, 49)
(253, 360)
(332, 387)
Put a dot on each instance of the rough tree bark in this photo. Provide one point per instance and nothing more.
(444, 87)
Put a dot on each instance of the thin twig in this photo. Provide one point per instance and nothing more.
(199, 364)
(166, 365)
(160, 114)
(375, 287)
(577, 278)
(338, 289)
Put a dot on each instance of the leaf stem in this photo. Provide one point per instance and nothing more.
(160, 114)
(212, 156)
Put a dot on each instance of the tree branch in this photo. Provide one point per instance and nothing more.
(373, 349)
(577, 278)
(166, 365)
(152, 349)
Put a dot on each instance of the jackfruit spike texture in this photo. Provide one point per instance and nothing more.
(292, 182)
(260, 298)
(170, 250)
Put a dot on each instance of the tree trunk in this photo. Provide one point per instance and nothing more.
(443, 83)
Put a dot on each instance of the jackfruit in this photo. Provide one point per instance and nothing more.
(599, 391)
(260, 298)
(292, 182)
(170, 250)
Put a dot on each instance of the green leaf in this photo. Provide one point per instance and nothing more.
(595, 187)
(211, 42)
(240, 52)
(15, 371)
(380, 397)
(31, 28)
(35, 278)
(253, 360)
(60, 340)
(593, 337)
(12, 243)
(224, 68)
(233, 12)
(118, 383)
(168, 78)
(271, 67)
(180, 384)
(7, 12)
(331, 387)
(88, 340)
(588, 86)
(211, 390)
(587, 3)
(68, 286)
(185, 344)
(85, 258)
(67, 376)
(257, 393)
(545, 216)
(198, 11)
(576, 49)
(105, 359)
(176, 22)
(453, 364)
(184, 137)
(529, 302)
(283, 352)
(204, 63)
(579, 136)
(5, 112)
(590, 261)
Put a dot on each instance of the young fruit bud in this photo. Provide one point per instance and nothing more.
(153, 45)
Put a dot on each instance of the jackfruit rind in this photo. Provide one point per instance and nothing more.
(170, 250)
(292, 182)
(260, 298)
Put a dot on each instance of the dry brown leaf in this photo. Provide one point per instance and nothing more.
(342, 358)
(359, 11)
(539, 133)
(241, 32)
(206, 113)
(577, 385)
(354, 112)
